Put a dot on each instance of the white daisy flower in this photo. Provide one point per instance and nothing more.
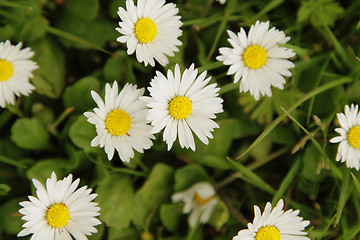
(59, 212)
(180, 103)
(257, 59)
(275, 225)
(151, 29)
(15, 71)
(349, 147)
(199, 199)
(121, 122)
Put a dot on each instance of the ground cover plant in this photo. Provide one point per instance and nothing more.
(189, 119)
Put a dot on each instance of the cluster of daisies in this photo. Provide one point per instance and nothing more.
(181, 104)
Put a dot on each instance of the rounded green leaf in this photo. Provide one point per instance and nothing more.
(82, 132)
(10, 219)
(189, 175)
(170, 216)
(78, 95)
(220, 215)
(29, 134)
(116, 199)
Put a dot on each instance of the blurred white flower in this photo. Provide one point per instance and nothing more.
(121, 122)
(221, 1)
(59, 212)
(257, 59)
(151, 29)
(199, 199)
(15, 72)
(349, 147)
(275, 225)
(180, 103)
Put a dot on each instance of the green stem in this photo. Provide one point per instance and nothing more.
(71, 37)
(60, 119)
(229, 87)
(210, 66)
(11, 162)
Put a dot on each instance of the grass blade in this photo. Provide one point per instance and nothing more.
(250, 175)
(333, 168)
(294, 170)
(71, 37)
(345, 191)
(280, 118)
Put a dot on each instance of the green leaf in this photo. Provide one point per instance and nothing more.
(306, 97)
(156, 190)
(29, 134)
(82, 132)
(312, 169)
(6, 32)
(77, 33)
(10, 220)
(113, 71)
(83, 9)
(49, 78)
(123, 233)
(220, 215)
(78, 95)
(42, 170)
(4, 189)
(345, 191)
(116, 199)
(29, 32)
(251, 177)
(187, 176)
(170, 216)
(214, 153)
(289, 178)
(319, 12)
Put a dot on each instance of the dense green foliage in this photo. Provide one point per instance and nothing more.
(264, 150)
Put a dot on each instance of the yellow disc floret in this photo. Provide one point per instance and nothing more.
(201, 200)
(118, 122)
(145, 30)
(268, 233)
(254, 57)
(6, 70)
(353, 137)
(58, 215)
(180, 107)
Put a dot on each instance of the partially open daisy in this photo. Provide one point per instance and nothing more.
(59, 212)
(199, 199)
(181, 104)
(151, 29)
(274, 225)
(257, 59)
(120, 121)
(15, 71)
(349, 147)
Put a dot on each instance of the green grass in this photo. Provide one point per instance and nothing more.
(266, 150)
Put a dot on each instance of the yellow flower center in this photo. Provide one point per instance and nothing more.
(118, 122)
(6, 70)
(353, 136)
(201, 200)
(268, 233)
(58, 215)
(145, 30)
(254, 57)
(180, 107)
